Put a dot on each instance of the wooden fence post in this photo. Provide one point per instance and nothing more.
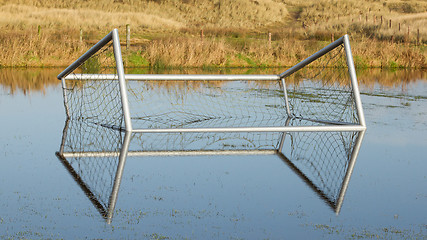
(409, 40)
(81, 36)
(127, 36)
(269, 39)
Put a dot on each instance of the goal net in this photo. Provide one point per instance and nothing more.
(323, 93)
(323, 96)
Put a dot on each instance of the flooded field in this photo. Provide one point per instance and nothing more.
(235, 196)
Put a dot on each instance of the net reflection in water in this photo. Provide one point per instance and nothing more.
(95, 156)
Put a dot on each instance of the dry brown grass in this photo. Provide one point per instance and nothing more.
(31, 49)
(195, 52)
(317, 16)
(322, 17)
(163, 15)
(372, 52)
(167, 32)
(187, 52)
(220, 52)
(23, 17)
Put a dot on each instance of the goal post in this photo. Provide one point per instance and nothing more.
(345, 42)
(112, 37)
(327, 98)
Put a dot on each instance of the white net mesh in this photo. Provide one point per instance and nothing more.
(192, 104)
(323, 92)
(96, 98)
(199, 141)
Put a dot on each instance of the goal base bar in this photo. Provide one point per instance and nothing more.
(167, 153)
(176, 77)
(336, 128)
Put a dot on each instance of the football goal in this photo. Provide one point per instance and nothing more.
(318, 94)
(310, 116)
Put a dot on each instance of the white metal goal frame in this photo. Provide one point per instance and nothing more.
(113, 37)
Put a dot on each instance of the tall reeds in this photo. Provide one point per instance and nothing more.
(187, 52)
(31, 48)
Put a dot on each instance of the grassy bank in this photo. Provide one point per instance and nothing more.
(167, 33)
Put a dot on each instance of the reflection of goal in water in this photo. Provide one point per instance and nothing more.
(315, 110)
(95, 156)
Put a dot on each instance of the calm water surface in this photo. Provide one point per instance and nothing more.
(220, 197)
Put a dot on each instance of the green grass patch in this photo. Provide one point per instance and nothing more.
(135, 59)
(360, 62)
(246, 59)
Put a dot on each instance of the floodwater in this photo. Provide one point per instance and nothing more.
(237, 196)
